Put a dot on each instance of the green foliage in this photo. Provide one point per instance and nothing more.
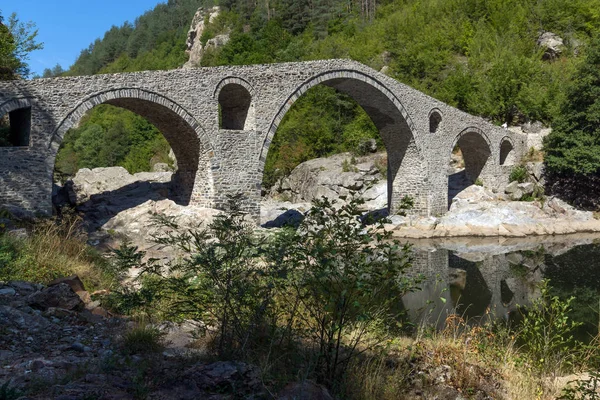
(17, 40)
(53, 249)
(346, 281)
(309, 130)
(110, 136)
(407, 203)
(331, 287)
(573, 147)
(547, 332)
(220, 281)
(518, 174)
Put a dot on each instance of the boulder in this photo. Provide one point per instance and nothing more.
(536, 170)
(367, 146)
(161, 167)
(57, 296)
(338, 177)
(73, 281)
(513, 190)
(526, 188)
(552, 44)
(88, 183)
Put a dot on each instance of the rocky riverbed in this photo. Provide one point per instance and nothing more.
(114, 202)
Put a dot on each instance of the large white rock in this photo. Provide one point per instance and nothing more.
(90, 182)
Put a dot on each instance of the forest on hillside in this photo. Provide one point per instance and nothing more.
(481, 56)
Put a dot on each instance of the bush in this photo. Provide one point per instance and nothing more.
(518, 174)
(219, 280)
(329, 290)
(346, 283)
(547, 332)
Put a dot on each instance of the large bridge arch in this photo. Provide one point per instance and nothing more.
(193, 182)
(407, 167)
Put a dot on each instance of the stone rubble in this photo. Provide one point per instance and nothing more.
(53, 347)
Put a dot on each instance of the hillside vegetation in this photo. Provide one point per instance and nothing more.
(480, 56)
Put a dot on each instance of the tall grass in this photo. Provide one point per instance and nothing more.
(53, 248)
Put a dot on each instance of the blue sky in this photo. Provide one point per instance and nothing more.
(68, 26)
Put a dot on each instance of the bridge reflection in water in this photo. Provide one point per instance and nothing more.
(485, 279)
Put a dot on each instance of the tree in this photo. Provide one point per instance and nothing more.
(573, 147)
(17, 40)
(57, 70)
(8, 61)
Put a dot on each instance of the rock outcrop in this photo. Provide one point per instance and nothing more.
(195, 48)
(338, 177)
(552, 44)
(90, 184)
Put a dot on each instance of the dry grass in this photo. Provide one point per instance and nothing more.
(52, 249)
(470, 361)
(533, 155)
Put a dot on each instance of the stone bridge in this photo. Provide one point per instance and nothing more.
(220, 123)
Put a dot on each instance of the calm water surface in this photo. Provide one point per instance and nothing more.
(491, 277)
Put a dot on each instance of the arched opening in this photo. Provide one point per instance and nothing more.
(401, 173)
(470, 155)
(507, 154)
(435, 119)
(236, 111)
(115, 121)
(15, 123)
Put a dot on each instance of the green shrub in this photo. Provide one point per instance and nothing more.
(547, 332)
(330, 288)
(345, 281)
(518, 174)
(407, 203)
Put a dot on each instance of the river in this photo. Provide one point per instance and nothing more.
(493, 278)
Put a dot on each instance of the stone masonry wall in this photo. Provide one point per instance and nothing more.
(184, 104)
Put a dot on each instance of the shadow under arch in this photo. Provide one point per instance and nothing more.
(193, 182)
(476, 150)
(407, 168)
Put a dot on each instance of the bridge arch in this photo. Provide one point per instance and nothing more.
(476, 149)
(407, 168)
(193, 182)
